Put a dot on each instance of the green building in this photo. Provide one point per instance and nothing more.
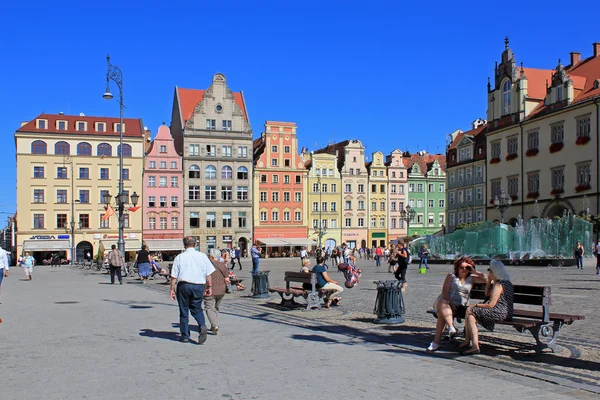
(426, 192)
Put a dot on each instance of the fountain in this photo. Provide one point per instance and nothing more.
(538, 241)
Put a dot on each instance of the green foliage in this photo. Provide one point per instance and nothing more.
(465, 225)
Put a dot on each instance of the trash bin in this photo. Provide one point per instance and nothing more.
(260, 284)
(389, 304)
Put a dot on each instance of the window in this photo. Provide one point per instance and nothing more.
(348, 205)
(441, 203)
(151, 201)
(478, 216)
(211, 150)
(263, 179)
(273, 162)
(162, 201)
(174, 201)
(62, 148)
(125, 174)
(430, 203)
(84, 196)
(226, 220)
(324, 188)
(84, 220)
(211, 220)
(583, 174)
(348, 188)
(496, 149)
(351, 171)
(419, 203)
(242, 193)
(38, 221)
(226, 193)
(411, 187)
(263, 216)
(506, 97)
(479, 193)
(287, 162)
(41, 124)
(496, 188)
(152, 165)
(513, 186)
(287, 149)
(38, 147)
(151, 181)
(194, 150)
(286, 179)
(103, 194)
(174, 222)
(382, 222)
(195, 219)
(557, 133)
(193, 192)
(243, 151)
(361, 205)
(61, 125)
(298, 179)
(333, 224)
(431, 188)
(275, 197)
(442, 187)
(163, 222)
(210, 192)
(431, 218)
(324, 206)
(275, 216)
(381, 188)
(210, 172)
(163, 165)
(226, 151)
(274, 149)
(315, 206)
(174, 181)
(275, 178)
(242, 173)
(333, 188)
(348, 222)
(263, 196)
(401, 189)
(297, 197)
(373, 206)
(315, 188)
(118, 128)
(226, 125)
(100, 127)
(533, 140)
(533, 182)
(61, 220)
(61, 173)
(583, 126)
(286, 215)
(84, 173)
(441, 219)
(393, 223)
(297, 216)
(173, 164)
(419, 188)
(361, 188)
(373, 188)
(104, 150)
(333, 206)
(393, 206)
(211, 124)
(558, 178)
(420, 219)
(361, 222)
(38, 172)
(162, 181)
(411, 203)
(512, 145)
(126, 151)
(242, 219)
(38, 195)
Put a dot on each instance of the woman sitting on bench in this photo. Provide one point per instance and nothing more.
(498, 308)
(325, 282)
(453, 301)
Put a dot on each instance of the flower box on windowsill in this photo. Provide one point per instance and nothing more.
(555, 147)
(511, 156)
(531, 152)
(495, 160)
(533, 195)
(582, 187)
(491, 202)
(581, 140)
(556, 192)
(514, 197)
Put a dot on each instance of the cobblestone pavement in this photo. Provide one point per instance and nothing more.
(69, 335)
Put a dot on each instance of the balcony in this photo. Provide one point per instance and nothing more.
(504, 122)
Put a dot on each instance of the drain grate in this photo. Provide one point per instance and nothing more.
(66, 302)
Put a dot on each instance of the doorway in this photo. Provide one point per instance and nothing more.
(82, 250)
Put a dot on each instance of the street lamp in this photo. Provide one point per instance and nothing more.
(114, 73)
(322, 229)
(407, 215)
(121, 200)
(502, 203)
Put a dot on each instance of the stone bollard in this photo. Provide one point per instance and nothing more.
(260, 284)
(389, 304)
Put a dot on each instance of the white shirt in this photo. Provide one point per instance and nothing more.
(303, 253)
(3, 259)
(192, 266)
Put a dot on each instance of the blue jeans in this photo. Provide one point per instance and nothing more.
(423, 261)
(189, 298)
(377, 261)
(255, 262)
(579, 261)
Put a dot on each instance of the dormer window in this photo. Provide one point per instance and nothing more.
(81, 126)
(61, 125)
(559, 93)
(118, 127)
(506, 98)
(100, 127)
(42, 124)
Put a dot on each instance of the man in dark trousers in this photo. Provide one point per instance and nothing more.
(238, 257)
(191, 273)
(115, 259)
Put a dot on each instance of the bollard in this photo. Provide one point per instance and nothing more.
(389, 304)
(260, 284)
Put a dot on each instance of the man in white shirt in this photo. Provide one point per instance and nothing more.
(303, 255)
(191, 272)
(4, 267)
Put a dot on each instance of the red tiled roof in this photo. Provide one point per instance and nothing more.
(536, 81)
(189, 99)
(133, 127)
(473, 133)
(424, 161)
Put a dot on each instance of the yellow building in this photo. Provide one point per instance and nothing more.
(324, 200)
(64, 166)
(378, 200)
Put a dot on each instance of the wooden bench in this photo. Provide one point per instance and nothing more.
(312, 297)
(543, 325)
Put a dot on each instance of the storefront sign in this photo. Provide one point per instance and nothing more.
(43, 237)
(379, 235)
(211, 231)
(125, 236)
(227, 238)
(351, 234)
(276, 236)
(64, 236)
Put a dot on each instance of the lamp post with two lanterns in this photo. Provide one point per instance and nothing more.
(407, 215)
(502, 203)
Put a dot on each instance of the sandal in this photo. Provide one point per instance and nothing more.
(469, 352)
(336, 301)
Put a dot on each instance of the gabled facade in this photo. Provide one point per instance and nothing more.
(211, 130)
(378, 201)
(397, 194)
(465, 173)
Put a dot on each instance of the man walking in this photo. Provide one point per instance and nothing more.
(255, 258)
(303, 255)
(4, 265)
(191, 272)
(28, 263)
(220, 281)
(115, 259)
(238, 257)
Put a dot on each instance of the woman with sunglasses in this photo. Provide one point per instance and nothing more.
(498, 307)
(454, 299)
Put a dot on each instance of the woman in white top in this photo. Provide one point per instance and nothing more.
(454, 299)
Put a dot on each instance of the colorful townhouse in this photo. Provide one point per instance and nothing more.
(377, 200)
(163, 195)
(397, 195)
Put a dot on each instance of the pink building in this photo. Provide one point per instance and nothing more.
(163, 195)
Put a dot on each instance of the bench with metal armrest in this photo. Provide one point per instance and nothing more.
(312, 296)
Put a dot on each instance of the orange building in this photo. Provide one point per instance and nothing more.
(280, 217)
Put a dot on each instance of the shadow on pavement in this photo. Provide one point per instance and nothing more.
(315, 338)
(139, 305)
(166, 335)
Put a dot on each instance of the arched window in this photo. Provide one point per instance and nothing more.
(126, 150)
(84, 149)
(38, 147)
(226, 172)
(506, 98)
(194, 171)
(242, 173)
(62, 148)
(210, 172)
(104, 149)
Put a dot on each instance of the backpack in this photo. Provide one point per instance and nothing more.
(409, 259)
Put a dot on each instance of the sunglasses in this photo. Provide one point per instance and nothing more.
(463, 268)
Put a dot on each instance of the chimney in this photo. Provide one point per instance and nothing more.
(575, 57)
(596, 49)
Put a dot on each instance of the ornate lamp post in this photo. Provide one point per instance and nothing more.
(407, 215)
(502, 203)
(121, 200)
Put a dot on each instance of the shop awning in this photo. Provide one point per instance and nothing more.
(130, 244)
(164, 244)
(300, 242)
(47, 245)
(273, 242)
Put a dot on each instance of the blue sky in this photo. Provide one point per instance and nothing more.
(394, 74)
